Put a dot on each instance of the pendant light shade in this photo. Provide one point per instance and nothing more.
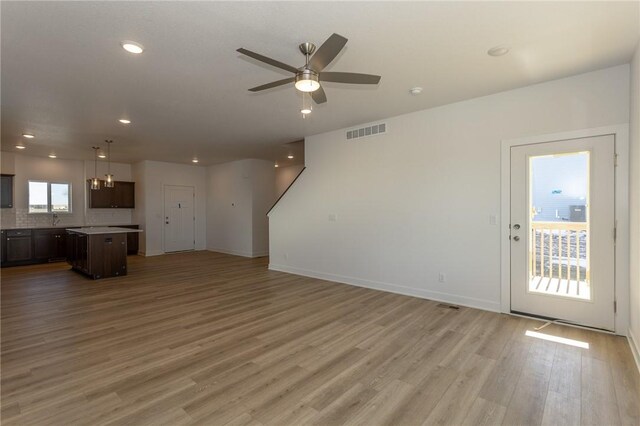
(108, 182)
(95, 182)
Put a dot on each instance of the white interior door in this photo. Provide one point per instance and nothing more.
(562, 230)
(179, 218)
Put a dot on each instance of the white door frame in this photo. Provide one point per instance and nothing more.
(164, 212)
(621, 284)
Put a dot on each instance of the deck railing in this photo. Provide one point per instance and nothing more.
(559, 250)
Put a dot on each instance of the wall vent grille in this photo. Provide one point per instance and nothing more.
(364, 132)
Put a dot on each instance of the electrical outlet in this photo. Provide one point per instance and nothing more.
(442, 277)
(286, 256)
(493, 220)
(333, 217)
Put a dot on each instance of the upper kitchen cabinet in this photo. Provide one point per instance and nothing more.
(6, 191)
(121, 196)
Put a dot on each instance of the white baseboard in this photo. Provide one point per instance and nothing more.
(150, 253)
(635, 349)
(239, 253)
(455, 299)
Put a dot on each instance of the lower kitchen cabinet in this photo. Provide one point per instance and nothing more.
(41, 245)
(99, 256)
(50, 245)
(19, 246)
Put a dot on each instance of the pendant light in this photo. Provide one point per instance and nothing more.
(108, 182)
(95, 182)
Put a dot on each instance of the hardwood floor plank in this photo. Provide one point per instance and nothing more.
(208, 338)
(484, 413)
(561, 409)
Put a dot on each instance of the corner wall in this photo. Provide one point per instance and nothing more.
(634, 204)
(239, 194)
(393, 211)
(284, 177)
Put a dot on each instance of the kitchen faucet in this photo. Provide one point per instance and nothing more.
(54, 219)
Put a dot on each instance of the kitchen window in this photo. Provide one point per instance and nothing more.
(49, 197)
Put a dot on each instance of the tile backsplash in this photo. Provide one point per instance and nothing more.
(20, 218)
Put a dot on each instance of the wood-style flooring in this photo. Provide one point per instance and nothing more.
(208, 338)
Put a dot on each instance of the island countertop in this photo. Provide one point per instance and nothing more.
(98, 230)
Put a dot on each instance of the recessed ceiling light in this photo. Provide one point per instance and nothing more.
(52, 156)
(415, 91)
(20, 146)
(305, 111)
(102, 155)
(290, 157)
(28, 135)
(498, 51)
(195, 160)
(132, 47)
(124, 121)
(276, 165)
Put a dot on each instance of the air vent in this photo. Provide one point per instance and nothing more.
(376, 129)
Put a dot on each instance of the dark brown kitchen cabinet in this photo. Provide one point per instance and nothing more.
(3, 246)
(121, 196)
(132, 239)
(19, 246)
(78, 251)
(49, 245)
(98, 255)
(124, 196)
(6, 191)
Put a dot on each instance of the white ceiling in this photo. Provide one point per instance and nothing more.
(66, 78)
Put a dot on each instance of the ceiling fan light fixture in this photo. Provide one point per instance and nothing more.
(307, 81)
(306, 110)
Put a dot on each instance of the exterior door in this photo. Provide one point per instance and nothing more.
(179, 219)
(562, 230)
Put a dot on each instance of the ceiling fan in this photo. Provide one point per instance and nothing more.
(308, 77)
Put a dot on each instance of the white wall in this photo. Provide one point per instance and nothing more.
(418, 200)
(154, 175)
(264, 195)
(634, 202)
(7, 163)
(139, 214)
(284, 177)
(26, 167)
(229, 208)
(239, 194)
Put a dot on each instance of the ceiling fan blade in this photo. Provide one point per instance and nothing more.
(349, 77)
(273, 84)
(327, 52)
(267, 60)
(319, 96)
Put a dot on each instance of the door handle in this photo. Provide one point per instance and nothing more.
(516, 226)
(516, 238)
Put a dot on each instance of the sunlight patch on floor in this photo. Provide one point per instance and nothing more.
(557, 339)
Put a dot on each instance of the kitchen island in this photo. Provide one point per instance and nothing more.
(98, 252)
